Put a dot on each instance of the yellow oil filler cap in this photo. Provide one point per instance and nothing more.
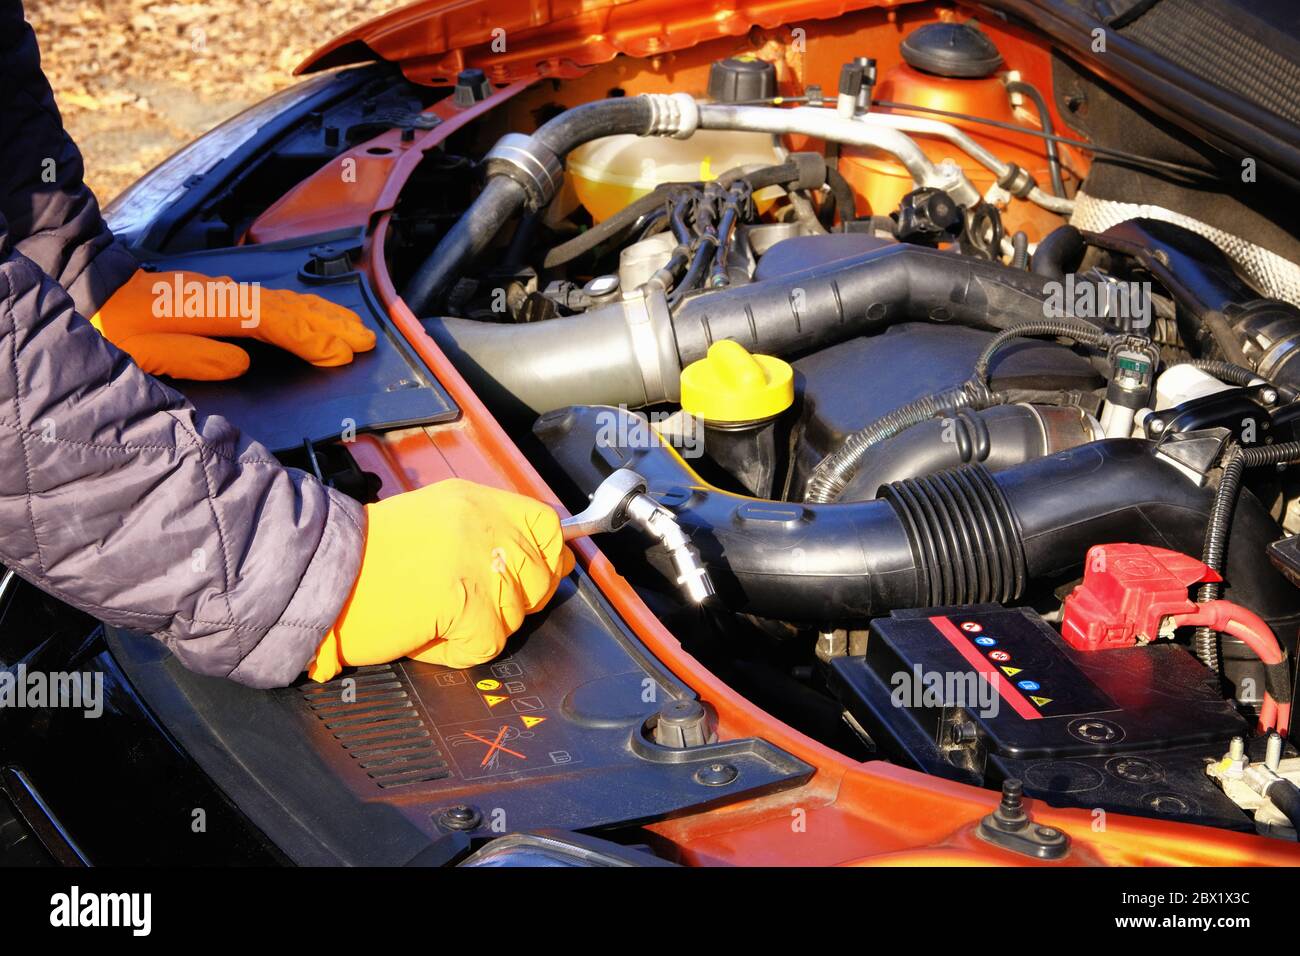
(731, 386)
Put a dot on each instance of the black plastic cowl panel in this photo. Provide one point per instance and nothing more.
(375, 767)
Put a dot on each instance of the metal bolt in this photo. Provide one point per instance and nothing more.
(716, 775)
(1236, 748)
(460, 818)
(1273, 752)
(1013, 793)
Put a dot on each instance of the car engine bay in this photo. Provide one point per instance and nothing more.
(946, 433)
(871, 424)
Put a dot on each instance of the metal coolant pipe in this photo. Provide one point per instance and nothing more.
(829, 125)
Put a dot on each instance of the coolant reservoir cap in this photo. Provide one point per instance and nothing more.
(741, 79)
(729, 385)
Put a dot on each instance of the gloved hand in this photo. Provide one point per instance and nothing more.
(164, 321)
(448, 573)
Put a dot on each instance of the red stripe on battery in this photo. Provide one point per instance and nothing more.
(982, 664)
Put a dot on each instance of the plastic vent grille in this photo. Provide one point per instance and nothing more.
(371, 714)
(1246, 58)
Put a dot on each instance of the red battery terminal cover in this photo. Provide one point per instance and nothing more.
(1128, 592)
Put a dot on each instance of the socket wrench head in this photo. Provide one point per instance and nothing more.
(608, 508)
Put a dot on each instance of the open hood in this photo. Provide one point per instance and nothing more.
(433, 40)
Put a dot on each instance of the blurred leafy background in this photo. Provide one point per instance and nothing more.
(137, 79)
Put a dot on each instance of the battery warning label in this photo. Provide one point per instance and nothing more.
(494, 719)
(1030, 673)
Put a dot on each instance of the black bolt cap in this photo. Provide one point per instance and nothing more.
(957, 50)
(472, 86)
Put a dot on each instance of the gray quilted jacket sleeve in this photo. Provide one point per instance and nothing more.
(117, 497)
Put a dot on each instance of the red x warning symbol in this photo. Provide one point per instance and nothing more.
(494, 745)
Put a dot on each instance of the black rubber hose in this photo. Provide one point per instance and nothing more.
(502, 197)
(831, 302)
(1060, 252)
(734, 207)
(956, 537)
(522, 242)
(620, 115)
(836, 470)
(1218, 529)
(496, 205)
(1020, 250)
(677, 217)
(1285, 795)
(1045, 121)
(611, 228)
(997, 438)
(804, 170)
(846, 203)
(1193, 270)
(706, 244)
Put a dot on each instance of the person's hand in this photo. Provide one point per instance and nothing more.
(448, 573)
(170, 323)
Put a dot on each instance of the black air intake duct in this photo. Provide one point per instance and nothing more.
(956, 537)
(632, 352)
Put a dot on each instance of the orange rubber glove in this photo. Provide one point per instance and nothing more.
(169, 322)
(448, 573)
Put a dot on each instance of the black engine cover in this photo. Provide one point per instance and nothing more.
(848, 386)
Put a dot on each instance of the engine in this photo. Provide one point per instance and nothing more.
(982, 456)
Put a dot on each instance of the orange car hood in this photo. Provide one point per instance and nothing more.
(433, 40)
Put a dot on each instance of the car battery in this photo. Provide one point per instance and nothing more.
(985, 693)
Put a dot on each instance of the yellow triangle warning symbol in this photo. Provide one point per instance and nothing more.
(532, 721)
(493, 699)
(1041, 701)
(1011, 671)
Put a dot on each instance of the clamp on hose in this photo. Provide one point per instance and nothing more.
(1019, 182)
(529, 163)
(672, 114)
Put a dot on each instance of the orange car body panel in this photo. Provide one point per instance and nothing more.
(849, 813)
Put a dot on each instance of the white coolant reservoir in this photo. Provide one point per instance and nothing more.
(609, 173)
